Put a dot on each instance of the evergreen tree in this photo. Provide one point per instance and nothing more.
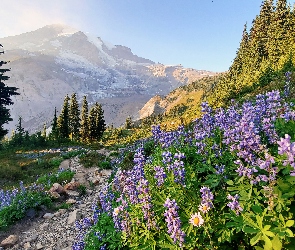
(19, 133)
(277, 31)
(96, 122)
(74, 117)
(63, 120)
(84, 129)
(5, 99)
(54, 129)
(128, 123)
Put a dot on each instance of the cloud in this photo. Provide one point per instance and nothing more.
(19, 16)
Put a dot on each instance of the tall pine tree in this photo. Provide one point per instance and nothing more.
(5, 98)
(63, 120)
(74, 117)
(84, 128)
(96, 122)
(54, 129)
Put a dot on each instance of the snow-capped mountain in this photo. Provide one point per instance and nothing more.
(48, 63)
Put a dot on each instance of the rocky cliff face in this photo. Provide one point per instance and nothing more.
(48, 63)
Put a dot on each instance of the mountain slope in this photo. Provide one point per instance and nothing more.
(48, 63)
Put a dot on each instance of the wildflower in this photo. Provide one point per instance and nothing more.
(207, 198)
(160, 175)
(234, 204)
(204, 208)
(196, 220)
(173, 221)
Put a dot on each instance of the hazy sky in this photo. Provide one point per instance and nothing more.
(200, 34)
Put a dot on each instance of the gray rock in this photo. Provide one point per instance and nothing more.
(48, 216)
(73, 216)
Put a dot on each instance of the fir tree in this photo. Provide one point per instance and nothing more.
(96, 122)
(54, 129)
(5, 99)
(19, 134)
(63, 120)
(84, 129)
(74, 117)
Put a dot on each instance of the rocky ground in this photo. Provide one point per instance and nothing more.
(55, 230)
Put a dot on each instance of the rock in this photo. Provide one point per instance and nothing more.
(10, 241)
(72, 186)
(106, 172)
(71, 201)
(54, 195)
(48, 216)
(73, 193)
(73, 216)
(62, 211)
(27, 245)
(56, 187)
(31, 213)
(65, 164)
(39, 246)
(33, 237)
(44, 226)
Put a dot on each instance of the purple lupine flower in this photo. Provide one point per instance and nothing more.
(173, 221)
(220, 169)
(160, 175)
(167, 157)
(145, 201)
(177, 167)
(207, 198)
(288, 148)
(121, 216)
(234, 204)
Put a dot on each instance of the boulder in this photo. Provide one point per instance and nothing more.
(72, 186)
(10, 241)
(56, 187)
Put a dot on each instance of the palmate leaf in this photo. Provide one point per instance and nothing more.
(255, 239)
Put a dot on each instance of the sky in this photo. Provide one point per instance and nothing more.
(199, 34)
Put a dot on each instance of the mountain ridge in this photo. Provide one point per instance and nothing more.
(55, 60)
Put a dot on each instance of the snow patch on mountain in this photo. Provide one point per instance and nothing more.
(106, 58)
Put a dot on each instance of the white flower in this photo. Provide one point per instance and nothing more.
(196, 220)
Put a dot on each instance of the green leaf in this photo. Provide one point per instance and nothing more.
(255, 239)
(276, 243)
(289, 223)
(289, 232)
(257, 209)
(250, 230)
(230, 182)
(268, 244)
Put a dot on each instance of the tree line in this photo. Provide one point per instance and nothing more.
(85, 125)
(266, 51)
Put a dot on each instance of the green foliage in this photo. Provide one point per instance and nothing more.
(95, 159)
(107, 235)
(21, 203)
(61, 177)
(81, 189)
